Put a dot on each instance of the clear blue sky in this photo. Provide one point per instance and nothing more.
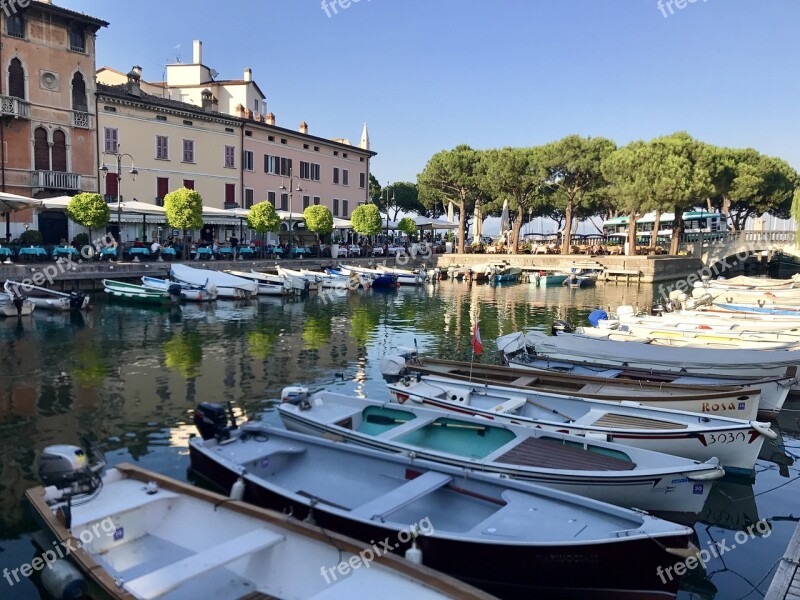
(430, 74)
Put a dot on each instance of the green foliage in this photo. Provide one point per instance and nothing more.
(374, 190)
(184, 353)
(367, 220)
(31, 237)
(82, 239)
(318, 219)
(89, 210)
(263, 218)
(795, 211)
(184, 209)
(407, 226)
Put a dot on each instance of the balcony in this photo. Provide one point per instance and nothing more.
(81, 120)
(14, 107)
(56, 180)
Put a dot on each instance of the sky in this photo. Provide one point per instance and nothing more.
(427, 75)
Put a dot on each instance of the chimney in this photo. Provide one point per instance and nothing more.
(134, 78)
(240, 111)
(206, 99)
(304, 127)
(138, 70)
(270, 118)
(214, 104)
(197, 52)
(248, 74)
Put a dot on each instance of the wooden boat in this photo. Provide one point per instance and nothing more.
(709, 340)
(596, 469)
(632, 355)
(547, 279)
(735, 442)
(228, 286)
(190, 293)
(154, 537)
(483, 533)
(738, 402)
(271, 285)
(140, 294)
(47, 299)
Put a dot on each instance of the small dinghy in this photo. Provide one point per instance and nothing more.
(335, 282)
(146, 536)
(269, 285)
(311, 279)
(130, 292)
(46, 299)
(493, 532)
(190, 293)
(228, 286)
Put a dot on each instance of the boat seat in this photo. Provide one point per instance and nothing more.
(157, 583)
(380, 507)
(510, 405)
(524, 381)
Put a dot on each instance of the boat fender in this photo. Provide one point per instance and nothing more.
(596, 435)
(63, 581)
(237, 489)
(764, 429)
(414, 554)
(416, 399)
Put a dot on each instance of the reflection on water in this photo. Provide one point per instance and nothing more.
(129, 377)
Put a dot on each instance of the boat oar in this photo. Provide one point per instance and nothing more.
(548, 409)
(384, 420)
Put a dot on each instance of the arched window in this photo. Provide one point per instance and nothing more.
(59, 151)
(16, 79)
(41, 150)
(79, 93)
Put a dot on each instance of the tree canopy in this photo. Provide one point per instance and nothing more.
(89, 210)
(319, 219)
(263, 218)
(366, 219)
(184, 209)
(407, 225)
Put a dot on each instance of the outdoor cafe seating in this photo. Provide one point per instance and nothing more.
(32, 252)
(64, 252)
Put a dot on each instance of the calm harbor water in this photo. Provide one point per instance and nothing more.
(129, 378)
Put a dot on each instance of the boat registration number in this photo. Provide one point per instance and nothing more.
(727, 437)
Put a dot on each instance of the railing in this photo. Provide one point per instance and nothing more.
(81, 119)
(55, 180)
(14, 107)
(739, 238)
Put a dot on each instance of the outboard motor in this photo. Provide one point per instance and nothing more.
(174, 290)
(658, 309)
(561, 327)
(297, 395)
(76, 299)
(211, 421)
(66, 471)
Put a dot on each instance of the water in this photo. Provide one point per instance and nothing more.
(129, 378)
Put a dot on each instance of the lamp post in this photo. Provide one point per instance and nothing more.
(298, 189)
(386, 189)
(104, 170)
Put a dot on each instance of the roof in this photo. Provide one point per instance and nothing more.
(70, 14)
(222, 82)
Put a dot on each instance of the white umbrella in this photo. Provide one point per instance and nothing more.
(505, 221)
(11, 202)
(478, 226)
(450, 215)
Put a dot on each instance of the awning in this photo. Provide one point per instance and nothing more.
(427, 223)
(12, 202)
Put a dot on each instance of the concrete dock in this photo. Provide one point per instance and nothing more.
(786, 583)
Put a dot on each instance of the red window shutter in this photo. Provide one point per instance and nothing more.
(188, 184)
(59, 151)
(162, 186)
(112, 185)
(41, 150)
(230, 193)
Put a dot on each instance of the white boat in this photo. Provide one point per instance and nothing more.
(735, 442)
(404, 276)
(310, 279)
(712, 320)
(336, 282)
(269, 285)
(190, 293)
(46, 299)
(14, 303)
(744, 282)
(608, 354)
(146, 536)
(782, 297)
(228, 286)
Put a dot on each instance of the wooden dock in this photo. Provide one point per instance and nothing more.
(786, 583)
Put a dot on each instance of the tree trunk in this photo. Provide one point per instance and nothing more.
(632, 233)
(726, 207)
(461, 219)
(515, 231)
(677, 231)
(566, 238)
(656, 227)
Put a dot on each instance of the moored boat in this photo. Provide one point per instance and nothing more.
(47, 299)
(190, 293)
(129, 292)
(674, 338)
(271, 285)
(228, 286)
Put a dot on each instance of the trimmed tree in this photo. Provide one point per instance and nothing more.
(407, 226)
(263, 218)
(184, 210)
(367, 220)
(89, 210)
(319, 220)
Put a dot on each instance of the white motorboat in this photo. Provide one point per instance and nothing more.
(336, 282)
(743, 282)
(47, 299)
(404, 276)
(228, 286)
(190, 293)
(760, 296)
(710, 320)
(269, 285)
(310, 279)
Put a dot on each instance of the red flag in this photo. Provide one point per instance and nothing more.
(477, 345)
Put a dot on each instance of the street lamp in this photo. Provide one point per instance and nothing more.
(386, 189)
(133, 172)
(298, 189)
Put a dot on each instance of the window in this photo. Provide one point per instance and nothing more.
(189, 123)
(271, 138)
(248, 160)
(112, 185)
(188, 184)
(255, 105)
(345, 207)
(335, 207)
(230, 194)
(305, 170)
(248, 198)
(305, 146)
(344, 154)
(269, 164)
(77, 38)
(109, 109)
(16, 79)
(336, 153)
(188, 151)
(316, 200)
(345, 177)
(162, 147)
(79, 93)
(111, 137)
(286, 167)
(306, 202)
(271, 198)
(283, 140)
(314, 172)
(361, 159)
(161, 118)
(362, 180)
(59, 152)
(227, 129)
(230, 157)
(336, 175)
(162, 189)
(248, 133)
(316, 148)
(15, 25)
(284, 202)
(41, 150)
